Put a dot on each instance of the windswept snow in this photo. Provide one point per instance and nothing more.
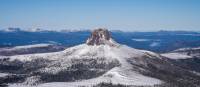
(186, 49)
(31, 46)
(176, 56)
(26, 47)
(3, 74)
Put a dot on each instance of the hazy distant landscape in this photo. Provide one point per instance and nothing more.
(159, 41)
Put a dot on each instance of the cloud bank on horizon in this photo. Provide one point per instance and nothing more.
(130, 15)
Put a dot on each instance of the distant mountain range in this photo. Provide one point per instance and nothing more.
(161, 41)
(11, 29)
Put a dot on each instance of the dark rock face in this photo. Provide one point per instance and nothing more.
(99, 36)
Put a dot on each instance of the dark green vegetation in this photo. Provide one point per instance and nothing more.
(79, 69)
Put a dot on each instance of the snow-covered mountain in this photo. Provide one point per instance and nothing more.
(195, 52)
(99, 60)
(187, 58)
(184, 53)
(30, 49)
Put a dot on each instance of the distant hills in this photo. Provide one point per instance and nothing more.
(160, 41)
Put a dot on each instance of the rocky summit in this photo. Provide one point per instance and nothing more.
(99, 36)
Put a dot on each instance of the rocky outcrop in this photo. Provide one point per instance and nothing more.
(100, 36)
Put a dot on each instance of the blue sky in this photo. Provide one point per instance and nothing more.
(130, 15)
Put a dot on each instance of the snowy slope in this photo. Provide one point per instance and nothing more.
(30, 49)
(31, 46)
(26, 46)
(183, 53)
(122, 74)
(189, 51)
(176, 56)
(3, 74)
